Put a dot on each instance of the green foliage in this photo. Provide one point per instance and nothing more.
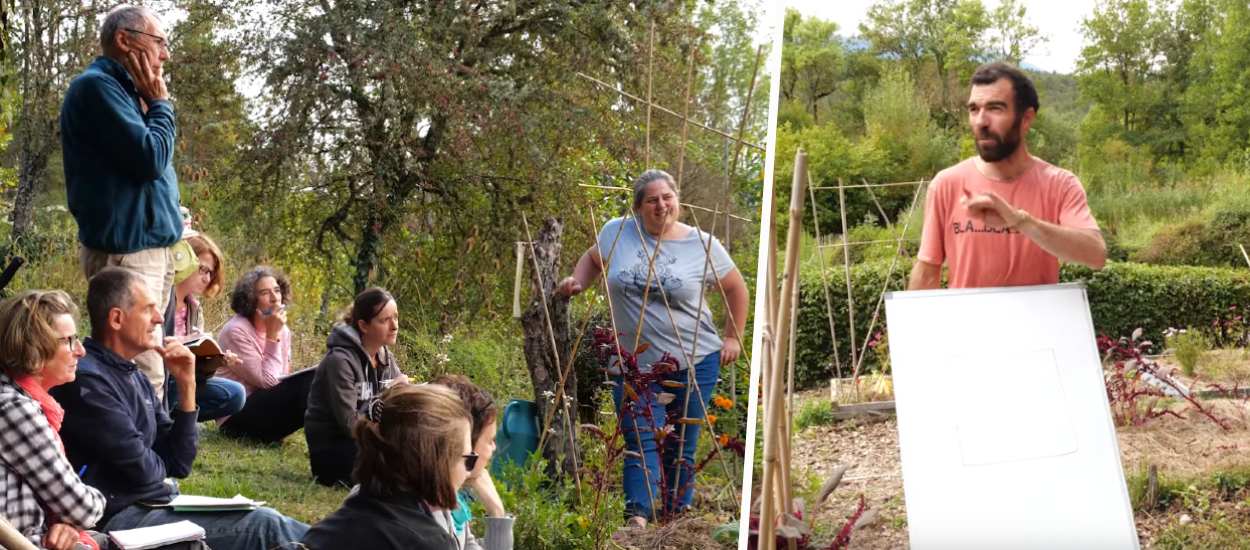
(1208, 238)
(1126, 296)
(1122, 298)
(817, 412)
(1188, 344)
(814, 349)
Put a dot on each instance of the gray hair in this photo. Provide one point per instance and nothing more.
(121, 17)
(640, 184)
(111, 288)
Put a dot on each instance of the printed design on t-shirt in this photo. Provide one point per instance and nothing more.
(968, 226)
(634, 279)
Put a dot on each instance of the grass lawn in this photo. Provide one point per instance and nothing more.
(277, 474)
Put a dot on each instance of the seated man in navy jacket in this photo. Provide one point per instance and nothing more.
(118, 433)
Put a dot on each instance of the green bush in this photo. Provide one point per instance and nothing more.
(1189, 345)
(818, 412)
(1209, 238)
(1122, 298)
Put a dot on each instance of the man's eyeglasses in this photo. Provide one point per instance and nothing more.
(470, 460)
(161, 41)
(72, 341)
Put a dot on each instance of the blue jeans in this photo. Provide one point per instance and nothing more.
(260, 529)
(640, 419)
(216, 397)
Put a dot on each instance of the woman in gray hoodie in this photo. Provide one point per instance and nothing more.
(357, 366)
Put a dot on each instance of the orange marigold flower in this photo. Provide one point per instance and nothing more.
(723, 440)
(711, 419)
(722, 402)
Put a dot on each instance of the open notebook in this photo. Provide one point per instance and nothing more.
(197, 503)
(157, 535)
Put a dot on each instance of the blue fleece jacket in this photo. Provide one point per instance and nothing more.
(119, 171)
(118, 430)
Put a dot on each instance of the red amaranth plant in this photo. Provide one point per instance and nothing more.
(1133, 401)
(638, 392)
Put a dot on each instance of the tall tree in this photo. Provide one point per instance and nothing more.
(811, 59)
(1011, 37)
(1119, 59)
(938, 38)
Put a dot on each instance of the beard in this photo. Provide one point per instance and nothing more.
(1003, 147)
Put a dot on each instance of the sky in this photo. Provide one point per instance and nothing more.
(1058, 21)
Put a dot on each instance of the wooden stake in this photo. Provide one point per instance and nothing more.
(846, 264)
(775, 470)
(516, 287)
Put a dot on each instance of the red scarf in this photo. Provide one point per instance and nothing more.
(55, 415)
(51, 409)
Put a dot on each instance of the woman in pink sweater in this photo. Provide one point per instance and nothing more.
(258, 335)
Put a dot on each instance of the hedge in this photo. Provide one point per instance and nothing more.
(1123, 297)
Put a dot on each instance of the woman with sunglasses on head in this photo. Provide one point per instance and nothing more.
(484, 413)
(416, 451)
(40, 494)
(199, 268)
(357, 366)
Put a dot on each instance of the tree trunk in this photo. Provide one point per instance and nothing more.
(545, 324)
(367, 252)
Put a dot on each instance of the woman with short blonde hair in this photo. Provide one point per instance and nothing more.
(39, 349)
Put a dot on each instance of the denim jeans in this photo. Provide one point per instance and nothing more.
(215, 397)
(638, 423)
(260, 529)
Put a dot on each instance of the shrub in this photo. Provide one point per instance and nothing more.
(1122, 298)
(818, 412)
(1208, 238)
(1189, 345)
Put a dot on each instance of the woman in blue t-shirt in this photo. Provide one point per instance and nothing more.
(660, 274)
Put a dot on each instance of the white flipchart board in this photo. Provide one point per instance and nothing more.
(1005, 433)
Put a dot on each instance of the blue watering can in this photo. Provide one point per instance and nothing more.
(517, 436)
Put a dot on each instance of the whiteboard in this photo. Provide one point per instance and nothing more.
(1005, 434)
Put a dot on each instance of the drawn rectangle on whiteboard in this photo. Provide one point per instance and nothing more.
(1005, 435)
(1002, 426)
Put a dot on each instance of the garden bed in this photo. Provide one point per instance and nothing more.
(1202, 468)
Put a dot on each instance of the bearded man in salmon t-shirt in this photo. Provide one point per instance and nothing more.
(1004, 217)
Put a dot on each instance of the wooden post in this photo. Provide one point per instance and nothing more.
(545, 324)
(776, 493)
(516, 286)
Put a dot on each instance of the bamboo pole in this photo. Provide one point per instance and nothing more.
(846, 265)
(775, 471)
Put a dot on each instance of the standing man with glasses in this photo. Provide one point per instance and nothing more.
(117, 142)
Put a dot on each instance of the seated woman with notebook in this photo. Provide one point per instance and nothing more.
(357, 366)
(259, 336)
(415, 453)
(200, 274)
(40, 494)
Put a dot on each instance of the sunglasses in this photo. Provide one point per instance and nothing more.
(470, 460)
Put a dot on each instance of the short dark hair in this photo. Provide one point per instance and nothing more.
(644, 179)
(112, 287)
(367, 305)
(1021, 85)
(243, 298)
(413, 445)
(477, 402)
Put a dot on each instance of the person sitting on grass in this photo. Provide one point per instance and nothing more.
(43, 498)
(416, 451)
(124, 442)
(357, 366)
(201, 275)
(258, 334)
(482, 410)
